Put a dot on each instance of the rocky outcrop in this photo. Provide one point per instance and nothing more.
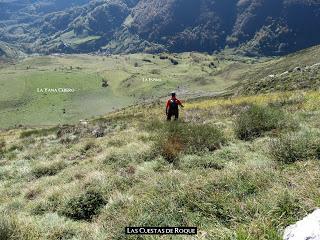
(306, 229)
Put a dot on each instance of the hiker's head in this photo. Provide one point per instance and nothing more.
(173, 94)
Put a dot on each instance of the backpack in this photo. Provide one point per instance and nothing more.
(173, 104)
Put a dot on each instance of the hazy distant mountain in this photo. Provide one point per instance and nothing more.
(269, 27)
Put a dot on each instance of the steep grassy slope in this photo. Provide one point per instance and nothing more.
(300, 70)
(234, 189)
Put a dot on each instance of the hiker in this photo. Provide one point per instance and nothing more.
(172, 108)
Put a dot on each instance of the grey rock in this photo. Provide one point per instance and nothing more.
(98, 132)
(306, 229)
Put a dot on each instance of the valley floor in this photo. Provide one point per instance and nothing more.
(131, 79)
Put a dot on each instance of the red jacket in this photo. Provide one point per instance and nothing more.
(178, 102)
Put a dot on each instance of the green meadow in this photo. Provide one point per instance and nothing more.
(131, 78)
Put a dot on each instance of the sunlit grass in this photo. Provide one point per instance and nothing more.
(234, 190)
(309, 100)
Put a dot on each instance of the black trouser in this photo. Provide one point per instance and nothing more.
(173, 112)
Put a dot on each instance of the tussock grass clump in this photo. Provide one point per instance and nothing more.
(122, 159)
(31, 194)
(293, 147)
(68, 139)
(2, 148)
(227, 198)
(12, 228)
(58, 227)
(15, 147)
(244, 182)
(90, 148)
(175, 138)
(288, 209)
(268, 231)
(116, 143)
(7, 228)
(2, 144)
(208, 205)
(287, 100)
(49, 204)
(256, 120)
(117, 160)
(38, 132)
(204, 161)
(48, 169)
(84, 206)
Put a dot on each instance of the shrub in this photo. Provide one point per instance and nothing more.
(84, 206)
(163, 57)
(48, 170)
(256, 120)
(171, 148)
(293, 147)
(197, 137)
(174, 61)
(175, 138)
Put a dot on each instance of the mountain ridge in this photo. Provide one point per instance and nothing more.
(255, 27)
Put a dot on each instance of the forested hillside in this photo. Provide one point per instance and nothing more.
(256, 27)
